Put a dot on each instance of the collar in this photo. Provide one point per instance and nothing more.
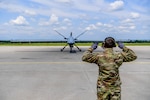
(108, 50)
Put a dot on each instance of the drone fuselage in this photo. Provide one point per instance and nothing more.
(70, 41)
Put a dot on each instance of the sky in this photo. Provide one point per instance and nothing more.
(38, 19)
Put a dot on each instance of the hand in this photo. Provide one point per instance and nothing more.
(120, 45)
(103, 44)
(94, 45)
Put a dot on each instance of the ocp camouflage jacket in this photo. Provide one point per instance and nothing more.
(109, 63)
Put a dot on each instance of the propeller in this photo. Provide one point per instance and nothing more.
(61, 34)
(80, 34)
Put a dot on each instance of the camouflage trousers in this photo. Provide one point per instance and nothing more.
(108, 93)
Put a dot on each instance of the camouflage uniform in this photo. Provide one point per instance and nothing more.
(109, 83)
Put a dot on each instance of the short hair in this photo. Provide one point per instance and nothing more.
(109, 42)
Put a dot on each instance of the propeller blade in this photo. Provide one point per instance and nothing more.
(60, 34)
(80, 34)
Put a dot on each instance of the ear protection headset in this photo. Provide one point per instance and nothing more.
(109, 42)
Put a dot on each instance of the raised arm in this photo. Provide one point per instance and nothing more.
(127, 54)
(89, 56)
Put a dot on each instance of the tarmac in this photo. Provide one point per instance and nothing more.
(45, 73)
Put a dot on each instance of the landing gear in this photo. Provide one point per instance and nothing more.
(78, 48)
(63, 47)
(71, 46)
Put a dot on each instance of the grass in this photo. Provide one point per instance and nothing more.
(62, 44)
(137, 44)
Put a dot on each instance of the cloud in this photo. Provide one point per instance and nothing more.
(53, 20)
(20, 20)
(108, 25)
(135, 15)
(99, 16)
(64, 1)
(117, 5)
(60, 28)
(86, 6)
(29, 12)
(67, 21)
(126, 27)
(91, 27)
(99, 24)
(132, 27)
(127, 21)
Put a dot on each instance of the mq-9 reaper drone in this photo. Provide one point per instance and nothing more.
(71, 41)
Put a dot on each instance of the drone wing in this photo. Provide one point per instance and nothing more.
(80, 34)
(61, 34)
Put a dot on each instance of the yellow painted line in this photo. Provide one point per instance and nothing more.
(7, 63)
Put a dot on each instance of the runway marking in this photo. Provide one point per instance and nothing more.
(63, 63)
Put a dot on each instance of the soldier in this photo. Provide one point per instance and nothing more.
(108, 61)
